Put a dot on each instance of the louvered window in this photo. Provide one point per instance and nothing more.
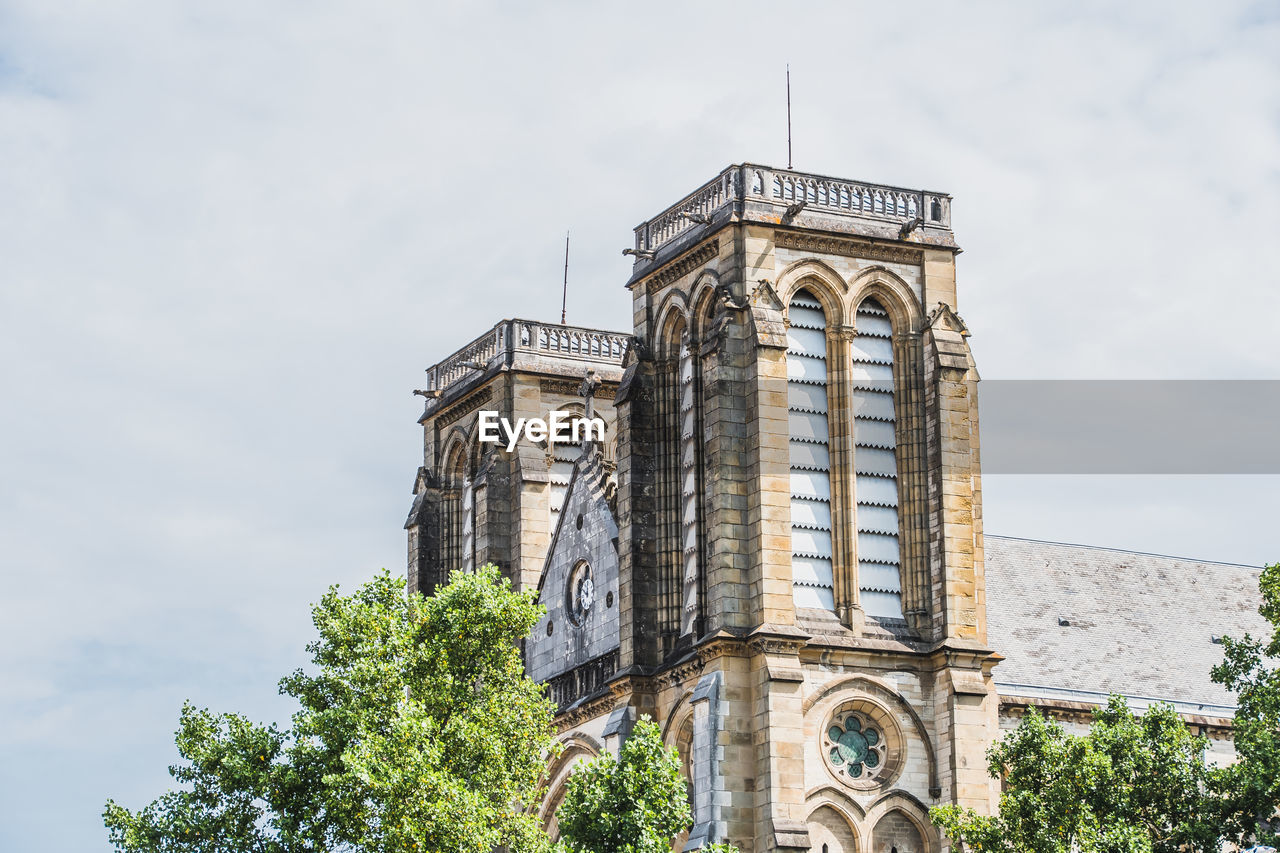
(812, 584)
(468, 525)
(876, 464)
(563, 455)
(688, 490)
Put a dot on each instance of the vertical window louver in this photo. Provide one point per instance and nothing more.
(689, 490)
(810, 453)
(876, 463)
(563, 455)
(468, 524)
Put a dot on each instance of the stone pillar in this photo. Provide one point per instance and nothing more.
(910, 401)
(966, 707)
(779, 726)
(637, 518)
(709, 787)
(844, 558)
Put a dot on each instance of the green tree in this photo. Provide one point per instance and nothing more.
(1131, 785)
(635, 803)
(418, 731)
(1251, 786)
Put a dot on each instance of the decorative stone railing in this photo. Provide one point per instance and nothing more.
(582, 681)
(509, 337)
(682, 215)
(786, 189)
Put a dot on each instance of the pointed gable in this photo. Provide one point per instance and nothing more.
(579, 585)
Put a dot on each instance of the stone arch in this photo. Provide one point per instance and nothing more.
(822, 281)
(825, 697)
(578, 747)
(900, 822)
(702, 303)
(457, 473)
(832, 830)
(673, 321)
(834, 796)
(457, 445)
(893, 294)
(677, 731)
(681, 710)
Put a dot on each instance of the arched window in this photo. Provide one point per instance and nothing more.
(810, 453)
(876, 463)
(678, 479)
(459, 513)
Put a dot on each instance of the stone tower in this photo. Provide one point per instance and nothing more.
(785, 568)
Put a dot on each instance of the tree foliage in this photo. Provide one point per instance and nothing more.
(1250, 670)
(418, 730)
(1131, 785)
(635, 803)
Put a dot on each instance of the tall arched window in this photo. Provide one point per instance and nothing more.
(876, 463)
(459, 513)
(678, 483)
(810, 453)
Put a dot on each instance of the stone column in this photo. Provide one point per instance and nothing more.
(709, 787)
(844, 527)
(778, 724)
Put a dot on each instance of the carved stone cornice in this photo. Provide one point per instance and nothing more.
(572, 388)
(683, 671)
(822, 244)
(775, 646)
(682, 266)
(463, 407)
(722, 644)
(777, 640)
(575, 717)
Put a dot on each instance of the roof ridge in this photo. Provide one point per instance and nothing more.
(1120, 550)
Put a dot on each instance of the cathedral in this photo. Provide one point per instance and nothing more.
(776, 550)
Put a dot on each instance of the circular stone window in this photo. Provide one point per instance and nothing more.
(862, 745)
(581, 594)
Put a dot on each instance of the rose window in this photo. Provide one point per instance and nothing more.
(855, 747)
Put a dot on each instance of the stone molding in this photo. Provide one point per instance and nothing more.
(820, 244)
(680, 267)
(464, 407)
(569, 387)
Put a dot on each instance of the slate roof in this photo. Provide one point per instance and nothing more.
(1140, 624)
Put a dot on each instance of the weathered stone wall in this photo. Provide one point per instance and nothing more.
(579, 587)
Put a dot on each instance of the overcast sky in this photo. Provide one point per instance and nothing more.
(232, 235)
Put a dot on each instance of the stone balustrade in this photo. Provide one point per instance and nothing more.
(509, 337)
(729, 192)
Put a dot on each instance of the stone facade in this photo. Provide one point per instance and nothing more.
(765, 304)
